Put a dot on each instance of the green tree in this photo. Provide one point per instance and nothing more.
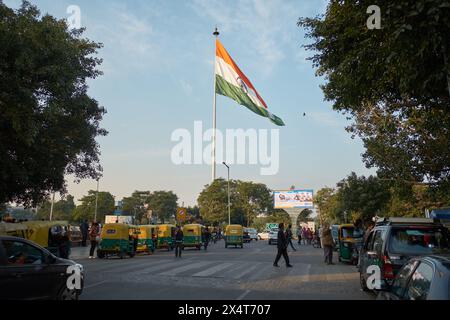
(394, 82)
(136, 204)
(248, 199)
(163, 204)
(253, 199)
(48, 122)
(62, 209)
(363, 197)
(86, 210)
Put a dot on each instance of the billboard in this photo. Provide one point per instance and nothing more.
(293, 199)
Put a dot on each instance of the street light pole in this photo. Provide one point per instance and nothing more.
(51, 207)
(96, 202)
(229, 203)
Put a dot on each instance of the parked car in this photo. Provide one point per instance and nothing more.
(393, 241)
(273, 236)
(422, 278)
(246, 236)
(253, 234)
(263, 235)
(29, 271)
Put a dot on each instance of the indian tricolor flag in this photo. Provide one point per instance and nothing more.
(232, 83)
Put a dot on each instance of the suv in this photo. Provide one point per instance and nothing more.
(28, 271)
(273, 236)
(253, 234)
(393, 241)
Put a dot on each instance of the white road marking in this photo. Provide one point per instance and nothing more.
(246, 271)
(178, 270)
(212, 270)
(242, 296)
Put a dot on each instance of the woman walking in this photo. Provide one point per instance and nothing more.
(93, 235)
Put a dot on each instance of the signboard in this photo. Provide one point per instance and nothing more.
(270, 226)
(293, 199)
(119, 219)
(181, 214)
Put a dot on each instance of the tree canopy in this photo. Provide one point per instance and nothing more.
(48, 122)
(62, 209)
(86, 210)
(393, 82)
(163, 204)
(248, 199)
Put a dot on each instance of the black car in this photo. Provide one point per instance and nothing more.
(393, 241)
(28, 271)
(246, 236)
(422, 278)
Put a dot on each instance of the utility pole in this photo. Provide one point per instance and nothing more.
(229, 201)
(96, 202)
(51, 207)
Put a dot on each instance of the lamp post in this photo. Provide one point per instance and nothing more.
(51, 207)
(229, 204)
(96, 202)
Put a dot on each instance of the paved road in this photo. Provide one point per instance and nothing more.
(219, 273)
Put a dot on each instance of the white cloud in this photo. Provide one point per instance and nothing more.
(260, 25)
(187, 87)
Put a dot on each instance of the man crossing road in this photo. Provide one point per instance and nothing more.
(282, 245)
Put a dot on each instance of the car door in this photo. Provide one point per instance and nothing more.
(23, 276)
(398, 288)
(368, 247)
(419, 285)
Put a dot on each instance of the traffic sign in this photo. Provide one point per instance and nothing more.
(181, 214)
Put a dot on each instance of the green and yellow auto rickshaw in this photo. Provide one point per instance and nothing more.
(234, 235)
(18, 230)
(52, 235)
(193, 236)
(348, 244)
(166, 236)
(147, 239)
(117, 239)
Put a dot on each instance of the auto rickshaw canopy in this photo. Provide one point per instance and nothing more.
(38, 231)
(193, 229)
(117, 231)
(234, 229)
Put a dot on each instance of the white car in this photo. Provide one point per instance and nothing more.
(273, 236)
(253, 234)
(263, 235)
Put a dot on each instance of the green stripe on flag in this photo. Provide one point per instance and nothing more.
(226, 89)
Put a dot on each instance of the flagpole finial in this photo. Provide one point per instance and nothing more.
(216, 33)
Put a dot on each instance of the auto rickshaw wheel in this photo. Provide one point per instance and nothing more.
(121, 254)
(100, 254)
(242, 246)
(226, 245)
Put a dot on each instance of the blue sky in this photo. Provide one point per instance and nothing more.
(158, 77)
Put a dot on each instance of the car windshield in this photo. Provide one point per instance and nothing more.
(418, 240)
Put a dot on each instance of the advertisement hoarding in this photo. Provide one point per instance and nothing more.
(293, 199)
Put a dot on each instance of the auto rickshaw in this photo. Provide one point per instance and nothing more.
(18, 230)
(117, 239)
(348, 244)
(166, 236)
(193, 236)
(147, 239)
(52, 235)
(234, 235)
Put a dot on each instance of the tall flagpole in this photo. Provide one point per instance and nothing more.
(213, 160)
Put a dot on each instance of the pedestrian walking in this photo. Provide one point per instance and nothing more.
(327, 243)
(304, 235)
(206, 238)
(84, 228)
(299, 235)
(178, 241)
(289, 237)
(93, 238)
(282, 245)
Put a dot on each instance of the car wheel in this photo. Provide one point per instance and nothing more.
(67, 294)
(362, 282)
